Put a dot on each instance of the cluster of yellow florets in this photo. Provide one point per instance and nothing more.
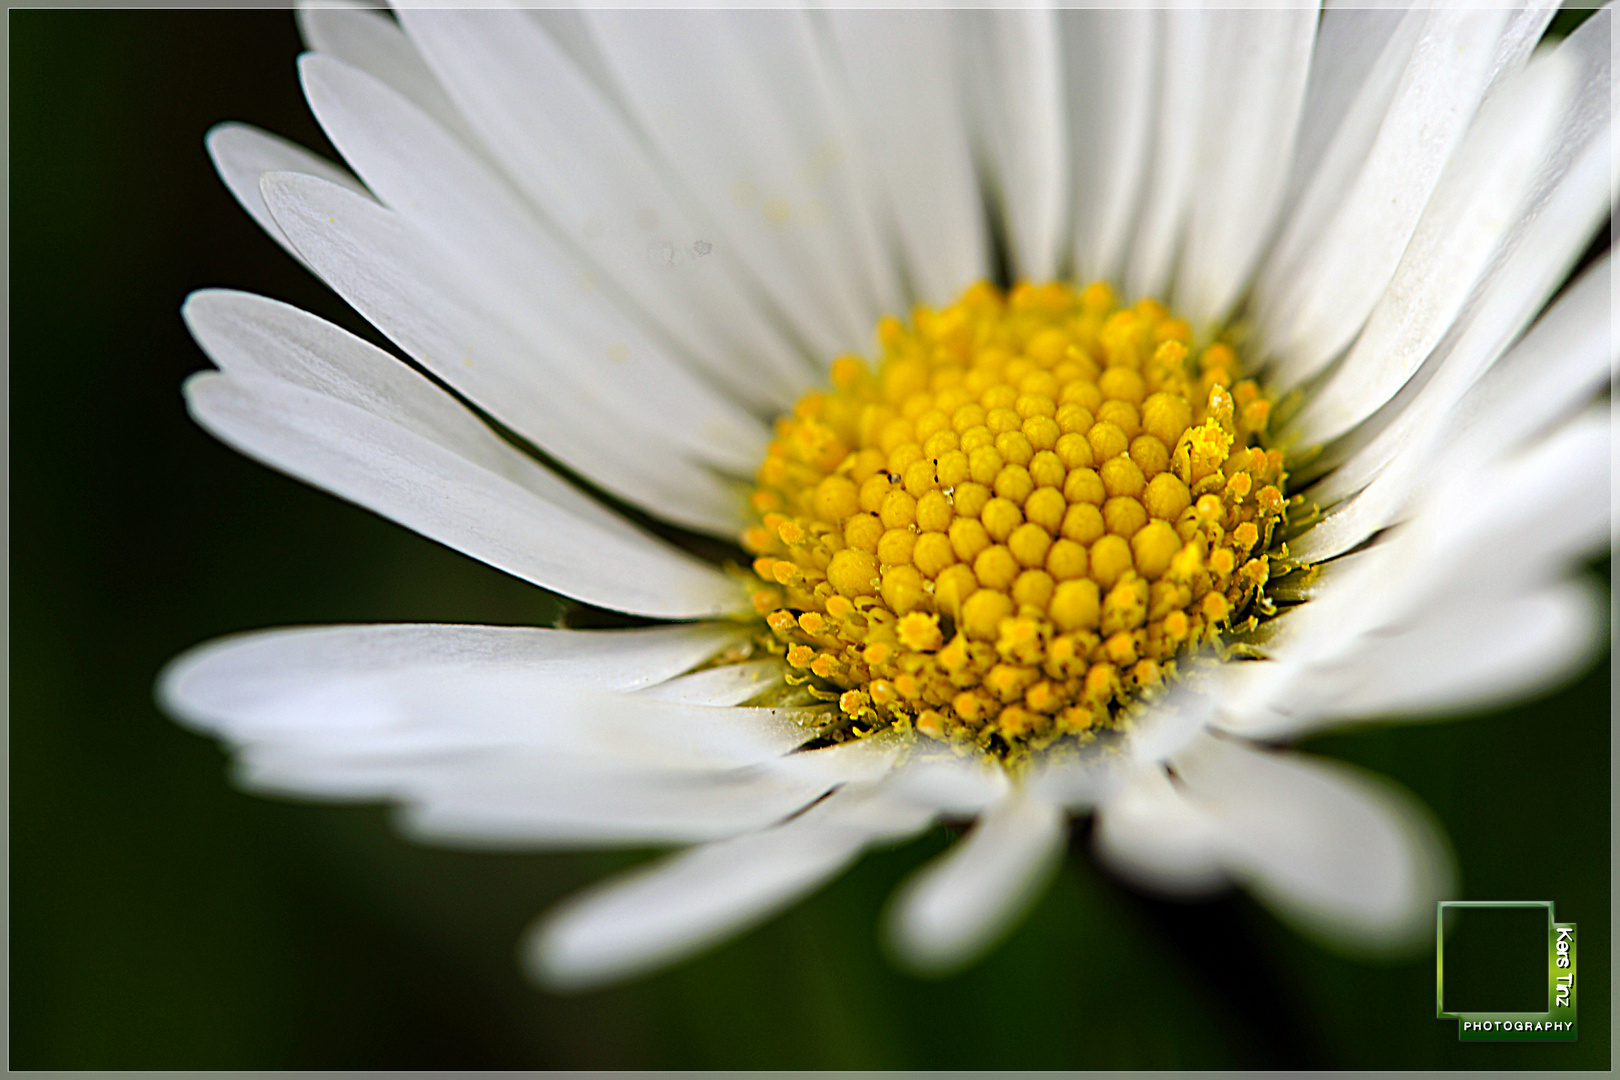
(1035, 503)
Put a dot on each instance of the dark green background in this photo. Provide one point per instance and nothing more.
(1496, 960)
(160, 919)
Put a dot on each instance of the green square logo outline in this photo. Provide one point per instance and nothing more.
(1556, 1024)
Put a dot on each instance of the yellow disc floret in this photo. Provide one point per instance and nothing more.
(1019, 520)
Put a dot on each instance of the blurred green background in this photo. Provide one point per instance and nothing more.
(161, 919)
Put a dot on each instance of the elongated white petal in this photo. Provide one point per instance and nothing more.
(1477, 547)
(1349, 44)
(1254, 91)
(693, 900)
(475, 728)
(740, 104)
(1559, 364)
(367, 39)
(1147, 833)
(1332, 849)
(1477, 652)
(428, 177)
(954, 786)
(435, 491)
(250, 672)
(514, 803)
(1571, 200)
(318, 402)
(1110, 75)
(242, 153)
(1474, 656)
(1523, 519)
(1161, 221)
(568, 147)
(393, 274)
(1474, 208)
(254, 336)
(730, 684)
(470, 703)
(1076, 785)
(959, 905)
(1017, 61)
(902, 75)
(1322, 181)
(1316, 310)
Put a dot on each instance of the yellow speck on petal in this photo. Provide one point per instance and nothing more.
(1014, 518)
(777, 210)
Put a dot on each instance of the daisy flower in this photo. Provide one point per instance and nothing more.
(1282, 417)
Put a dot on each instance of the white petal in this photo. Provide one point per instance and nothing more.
(729, 684)
(369, 40)
(570, 150)
(693, 900)
(1562, 363)
(248, 672)
(253, 336)
(552, 790)
(512, 802)
(1167, 193)
(1487, 541)
(435, 491)
(1340, 852)
(1254, 90)
(1523, 519)
(1149, 834)
(1477, 652)
(391, 273)
(905, 94)
(1322, 181)
(242, 153)
(1110, 76)
(424, 174)
(959, 905)
(741, 104)
(1017, 61)
(477, 729)
(859, 761)
(484, 703)
(1072, 784)
(1475, 205)
(1572, 198)
(1472, 656)
(1324, 299)
(954, 786)
(1349, 43)
(1559, 364)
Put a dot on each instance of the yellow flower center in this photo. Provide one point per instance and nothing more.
(1017, 522)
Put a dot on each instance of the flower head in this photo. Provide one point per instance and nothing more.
(1300, 441)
